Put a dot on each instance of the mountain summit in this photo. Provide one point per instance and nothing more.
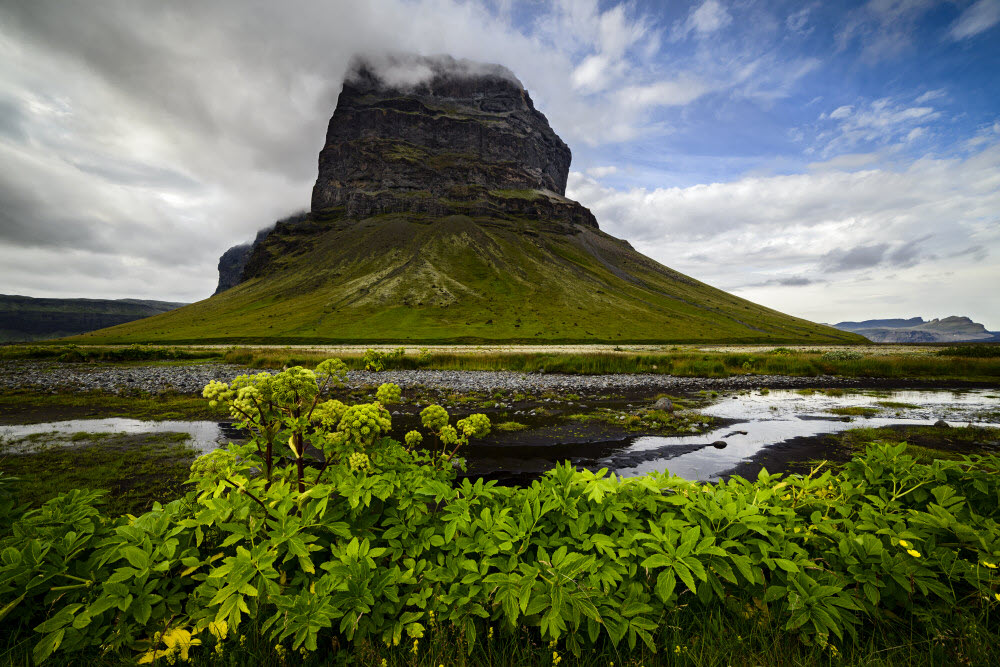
(439, 215)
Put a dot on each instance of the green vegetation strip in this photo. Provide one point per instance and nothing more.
(845, 362)
(376, 554)
(30, 407)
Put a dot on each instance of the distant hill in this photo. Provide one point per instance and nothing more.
(952, 329)
(440, 215)
(24, 318)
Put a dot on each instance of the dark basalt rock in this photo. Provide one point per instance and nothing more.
(463, 124)
(231, 266)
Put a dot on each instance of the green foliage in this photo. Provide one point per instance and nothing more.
(377, 360)
(384, 545)
(975, 351)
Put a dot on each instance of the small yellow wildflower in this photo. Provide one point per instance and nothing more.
(489, 633)
(913, 552)
(990, 565)
(997, 596)
(385, 662)
(904, 544)
(556, 658)
(416, 642)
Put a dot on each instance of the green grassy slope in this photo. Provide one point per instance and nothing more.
(464, 279)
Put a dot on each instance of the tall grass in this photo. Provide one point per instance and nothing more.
(684, 363)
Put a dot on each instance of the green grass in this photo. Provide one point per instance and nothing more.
(898, 405)
(510, 426)
(464, 279)
(925, 443)
(982, 350)
(134, 469)
(686, 363)
(681, 361)
(29, 407)
(855, 411)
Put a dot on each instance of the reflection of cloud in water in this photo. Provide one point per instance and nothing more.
(781, 415)
(205, 435)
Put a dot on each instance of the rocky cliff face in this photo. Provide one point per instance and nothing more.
(410, 130)
(428, 136)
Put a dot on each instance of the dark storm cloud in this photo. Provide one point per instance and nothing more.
(29, 219)
(12, 120)
(908, 254)
(852, 259)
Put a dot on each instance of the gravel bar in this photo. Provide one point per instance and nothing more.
(190, 379)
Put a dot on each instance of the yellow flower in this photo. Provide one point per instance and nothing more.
(997, 596)
(904, 544)
(992, 566)
(384, 662)
(913, 552)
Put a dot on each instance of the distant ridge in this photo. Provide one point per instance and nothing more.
(439, 214)
(25, 318)
(954, 329)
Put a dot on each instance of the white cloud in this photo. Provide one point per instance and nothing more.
(977, 18)
(798, 21)
(840, 112)
(663, 93)
(931, 95)
(601, 172)
(707, 17)
(880, 123)
(844, 227)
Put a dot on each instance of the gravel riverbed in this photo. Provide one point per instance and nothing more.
(190, 379)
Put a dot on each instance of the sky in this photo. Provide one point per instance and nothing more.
(832, 160)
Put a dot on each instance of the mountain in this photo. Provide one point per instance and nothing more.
(23, 318)
(952, 329)
(440, 214)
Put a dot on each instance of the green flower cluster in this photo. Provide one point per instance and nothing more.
(413, 439)
(328, 414)
(434, 417)
(388, 393)
(359, 462)
(474, 426)
(364, 423)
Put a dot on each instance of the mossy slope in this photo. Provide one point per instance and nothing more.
(459, 278)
